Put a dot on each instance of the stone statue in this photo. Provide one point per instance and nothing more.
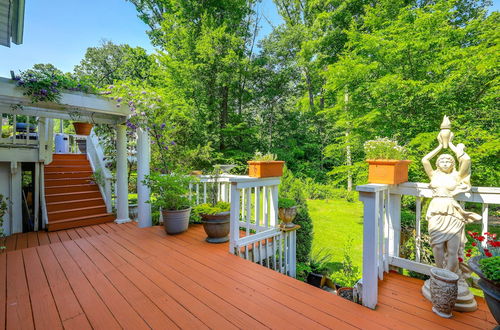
(446, 217)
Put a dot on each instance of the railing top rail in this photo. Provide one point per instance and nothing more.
(235, 178)
(490, 195)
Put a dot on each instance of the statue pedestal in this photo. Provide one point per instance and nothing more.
(465, 299)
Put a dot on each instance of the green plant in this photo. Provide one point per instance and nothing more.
(98, 178)
(318, 261)
(349, 274)
(383, 148)
(212, 209)
(169, 191)
(286, 203)
(43, 83)
(3, 210)
(259, 156)
(491, 268)
(303, 269)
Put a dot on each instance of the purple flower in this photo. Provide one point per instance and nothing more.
(119, 99)
(143, 92)
(43, 91)
(166, 148)
(163, 125)
(111, 98)
(173, 143)
(111, 86)
(17, 78)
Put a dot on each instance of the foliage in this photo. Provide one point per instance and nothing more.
(259, 156)
(3, 210)
(212, 209)
(315, 190)
(169, 191)
(291, 188)
(318, 262)
(384, 148)
(491, 268)
(98, 177)
(349, 274)
(303, 269)
(286, 203)
(44, 83)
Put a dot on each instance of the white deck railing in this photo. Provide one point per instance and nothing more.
(254, 231)
(95, 155)
(382, 228)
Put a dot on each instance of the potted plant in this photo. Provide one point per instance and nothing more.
(487, 266)
(318, 266)
(287, 210)
(385, 159)
(264, 166)
(170, 192)
(214, 214)
(347, 276)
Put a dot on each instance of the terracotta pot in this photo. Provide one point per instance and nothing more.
(216, 226)
(388, 171)
(286, 215)
(176, 221)
(490, 289)
(196, 173)
(82, 128)
(346, 293)
(265, 169)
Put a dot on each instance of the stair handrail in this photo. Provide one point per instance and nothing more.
(95, 155)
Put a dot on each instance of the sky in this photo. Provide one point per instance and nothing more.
(59, 31)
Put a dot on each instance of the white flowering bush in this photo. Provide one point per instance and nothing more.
(384, 148)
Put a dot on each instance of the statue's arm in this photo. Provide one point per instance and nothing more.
(426, 161)
(463, 159)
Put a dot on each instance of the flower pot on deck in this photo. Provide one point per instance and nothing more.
(444, 291)
(176, 221)
(490, 289)
(82, 128)
(387, 171)
(216, 226)
(317, 280)
(265, 169)
(346, 293)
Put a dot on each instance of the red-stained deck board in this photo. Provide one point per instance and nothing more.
(42, 303)
(3, 288)
(18, 311)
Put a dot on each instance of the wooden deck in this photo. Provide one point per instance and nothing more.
(119, 276)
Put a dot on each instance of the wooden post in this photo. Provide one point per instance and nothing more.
(370, 196)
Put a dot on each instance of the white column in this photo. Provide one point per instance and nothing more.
(370, 196)
(143, 192)
(15, 202)
(121, 176)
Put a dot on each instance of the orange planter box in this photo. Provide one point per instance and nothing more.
(265, 169)
(388, 171)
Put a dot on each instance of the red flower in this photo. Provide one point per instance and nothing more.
(469, 250)
(468, 255)
(486, 250)
(474, 244)
(470, 233)
(488, 254)
(480, 238)
(460, 259)
(475, 233)
(487, 233)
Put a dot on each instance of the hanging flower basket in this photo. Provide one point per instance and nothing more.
(388, 171)
(82, 128)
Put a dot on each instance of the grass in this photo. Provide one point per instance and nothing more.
(335, 222)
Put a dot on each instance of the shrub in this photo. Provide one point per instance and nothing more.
(286, 203)
(170, 191)
(292, 188)
(491, 268)
(349, 274)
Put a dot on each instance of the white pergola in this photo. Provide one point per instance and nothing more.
(93, 109)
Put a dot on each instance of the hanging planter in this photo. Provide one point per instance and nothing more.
(82, 128)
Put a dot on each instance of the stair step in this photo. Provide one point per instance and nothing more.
(75, 213)
(75, 204)
(62, 175)
(72, 188)
(69, 156)
(80, 221)
(67, 168)
(67, 181)
(61, 197)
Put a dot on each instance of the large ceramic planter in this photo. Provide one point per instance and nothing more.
(177, 221)
(216, 226)
(490, 289)
(388, 171)
(265, 169)
(82, 128)
(444, 291)
(286, 215)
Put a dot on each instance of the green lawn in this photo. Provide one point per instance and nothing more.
(335, 222)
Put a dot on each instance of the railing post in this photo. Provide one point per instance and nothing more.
(234, 224)
(370, 195)
(394, 224)
(143, 191)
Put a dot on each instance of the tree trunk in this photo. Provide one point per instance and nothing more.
(348, 147)
(223, 115)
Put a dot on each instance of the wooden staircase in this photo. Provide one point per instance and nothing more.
(72, 199)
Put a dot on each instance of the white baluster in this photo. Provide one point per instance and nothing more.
(418, 212)
(257, 208)
(380, 219)
(14, 131)
(485, 223)
(204, 192)
(197, 193)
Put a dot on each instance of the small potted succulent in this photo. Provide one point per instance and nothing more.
(287, 211)
(487, 266)
(265, 165)
(385, 159)
(170, 192)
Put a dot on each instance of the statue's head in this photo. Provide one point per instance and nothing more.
(445, 163)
